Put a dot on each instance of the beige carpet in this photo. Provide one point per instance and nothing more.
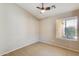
(41, 49)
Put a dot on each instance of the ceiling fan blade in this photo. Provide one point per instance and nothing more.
(53, 6)
(48, 8)
(38, 7)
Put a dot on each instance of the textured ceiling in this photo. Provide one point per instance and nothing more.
(60, 8)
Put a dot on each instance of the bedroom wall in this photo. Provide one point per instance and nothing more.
(48, 32)
(18, 28)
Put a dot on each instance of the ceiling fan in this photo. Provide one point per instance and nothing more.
(43, 8)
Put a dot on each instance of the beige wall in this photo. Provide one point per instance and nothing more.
(48, 32)
(17, 28)
(2, 28)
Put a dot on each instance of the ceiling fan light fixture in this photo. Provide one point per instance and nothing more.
(43, 11)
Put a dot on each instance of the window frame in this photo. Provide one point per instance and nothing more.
(70, 18)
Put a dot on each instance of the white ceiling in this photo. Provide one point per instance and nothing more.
(60, 8)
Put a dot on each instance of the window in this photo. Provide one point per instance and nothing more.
(67, 28)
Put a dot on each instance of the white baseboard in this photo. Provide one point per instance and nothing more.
(36, 42)
(60, 46)
(17, 48)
